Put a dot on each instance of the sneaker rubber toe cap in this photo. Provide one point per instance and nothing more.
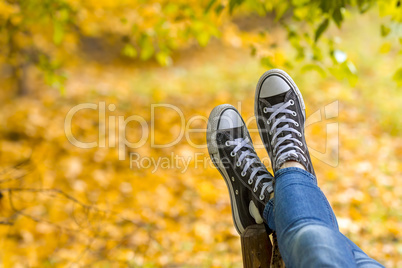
(230, 118)
(272, 86)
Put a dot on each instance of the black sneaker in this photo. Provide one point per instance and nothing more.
(280, 113)
(232, 152)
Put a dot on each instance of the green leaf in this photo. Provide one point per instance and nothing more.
(163, 58)
(345, 70)
(210, 4)
(63, 15)
(147, 52)
(171, 9)
(385, 30)
(398, 77)
(321, 29)
(351, 67)
(313, 67)
(280, 10)
(299, 3)
(317, 53)
(267, 62)
(385, 48)
(147, 47)
(219, 9)
(337, 16)
(129, 51)
(300, 53)
(58, 33)
(233, 4)
(203, 38)
(364, 5)
(253, 51)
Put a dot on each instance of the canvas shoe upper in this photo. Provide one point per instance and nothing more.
(232, 152)
(280, 113)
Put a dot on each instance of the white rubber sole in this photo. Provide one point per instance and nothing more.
(212, 127)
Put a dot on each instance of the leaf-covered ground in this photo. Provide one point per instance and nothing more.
(67, 206)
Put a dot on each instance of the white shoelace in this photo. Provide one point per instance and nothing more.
(249, 157)
(280, 108)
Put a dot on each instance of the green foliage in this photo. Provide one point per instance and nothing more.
(153, 30)
(398, 77)
(323, 26)
(307, 22)
(233, 4)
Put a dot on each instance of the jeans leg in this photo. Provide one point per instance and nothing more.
(306, 227)
(362, 259)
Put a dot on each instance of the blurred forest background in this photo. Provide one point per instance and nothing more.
(61, 205)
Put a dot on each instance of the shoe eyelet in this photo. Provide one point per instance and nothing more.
(232, 154)
(296, 124)
(294, 113)
(265, 110)
(250, 181)
(233, 179)
(255, 190)
(291, 102)
(301, 144)
(238, 164)
(299, 134)
(270, 132)
(262, 197)
(268, 122)
(227, 143)
(243, 174)
(237, 191)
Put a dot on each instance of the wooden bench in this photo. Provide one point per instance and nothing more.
(256, 247)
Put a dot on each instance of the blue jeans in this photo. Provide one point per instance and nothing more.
(306, 226)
